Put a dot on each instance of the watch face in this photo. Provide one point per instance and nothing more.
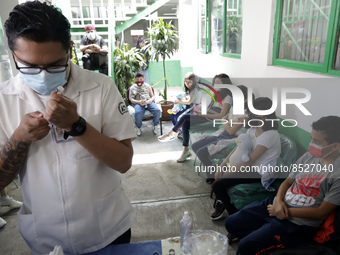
(78, 128)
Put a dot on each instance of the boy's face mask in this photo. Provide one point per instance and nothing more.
(140, 83)
(316, 150)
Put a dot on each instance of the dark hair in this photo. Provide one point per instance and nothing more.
(225, 80)
(265, 103)
(330, 126)
(37, 22)
(139, 74)
(193, 78)
(244, 90)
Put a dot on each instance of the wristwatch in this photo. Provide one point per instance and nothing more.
(78, 128)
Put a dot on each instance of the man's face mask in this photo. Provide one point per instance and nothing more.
(140, 83)
(44, 82)
(91, 35)
(316, 150)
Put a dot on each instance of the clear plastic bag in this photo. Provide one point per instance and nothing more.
(204, 242)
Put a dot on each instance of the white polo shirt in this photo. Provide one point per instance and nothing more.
(70, 199)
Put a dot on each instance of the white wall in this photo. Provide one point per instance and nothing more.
(254, 69)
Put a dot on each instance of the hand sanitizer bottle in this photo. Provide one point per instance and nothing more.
(185, 225)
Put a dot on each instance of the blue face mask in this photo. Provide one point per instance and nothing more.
(91, 36)
(44, 83)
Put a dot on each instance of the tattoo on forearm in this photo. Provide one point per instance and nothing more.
(12, 160)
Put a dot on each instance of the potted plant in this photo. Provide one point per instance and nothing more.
(164, 44)
(126, 62)
(234, 28)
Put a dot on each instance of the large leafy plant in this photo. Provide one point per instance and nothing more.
(126, 62)
(164, 44)
(234, 28)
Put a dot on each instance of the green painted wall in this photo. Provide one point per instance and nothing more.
(185, 70)
(173, 73)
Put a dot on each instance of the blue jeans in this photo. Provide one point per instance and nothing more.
(183, 123)
(259, 231)
(174, 117)
(140, 110)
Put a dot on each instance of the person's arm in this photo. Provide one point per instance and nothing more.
(254, 155)
(280, 209)
(222, 114)
(92, 48)
(225, 162)
(187, 100)
(232, 129)
(13, 155)
(104, 49)
(317, 213)
(152, 96)
(62, 112)
(140, 102)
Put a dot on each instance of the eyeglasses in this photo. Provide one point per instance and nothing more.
(36, 70)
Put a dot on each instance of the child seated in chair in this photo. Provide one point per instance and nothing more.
(142, 97)
(304, 200)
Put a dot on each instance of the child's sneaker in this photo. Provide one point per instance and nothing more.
(154, 129)
(138, 131)
(2, 222)
(10, 202)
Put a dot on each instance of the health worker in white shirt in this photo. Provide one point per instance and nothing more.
(67, 133)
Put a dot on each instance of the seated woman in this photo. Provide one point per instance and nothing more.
(202, 147)
(216, 111)
(184, 122)
(266, 148)
(184, 100)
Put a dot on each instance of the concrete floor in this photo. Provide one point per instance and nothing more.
(159, 188)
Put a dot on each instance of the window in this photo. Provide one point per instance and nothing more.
(307, 35)
(220, 27)
(337, 56)
(217, 12)
(202, 26)
(234, 27)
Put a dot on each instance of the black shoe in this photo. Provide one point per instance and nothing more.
(180, 135)
(231, 238)
(219, 211)
(210, 180)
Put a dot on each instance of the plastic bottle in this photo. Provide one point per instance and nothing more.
(185, 226)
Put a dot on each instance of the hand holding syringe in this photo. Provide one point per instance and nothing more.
(60, 110)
